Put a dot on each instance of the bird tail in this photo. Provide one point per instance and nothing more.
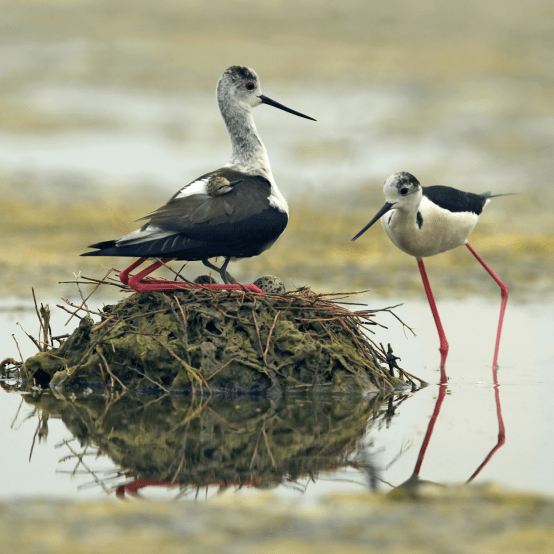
(488, 194)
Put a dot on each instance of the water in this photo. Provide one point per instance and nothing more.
(475, 135)
(89, 105)
(370, 448)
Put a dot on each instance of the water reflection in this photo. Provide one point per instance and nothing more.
(199, 447)
(192, 443)
(414, 480)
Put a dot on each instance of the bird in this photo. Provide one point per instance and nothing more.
(426, 221)
(217, 186)
(235, 211)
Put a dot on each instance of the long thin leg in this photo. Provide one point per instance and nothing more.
(139, 283)
(223, 270)
(443, 349)
(228, 277)
(503, 295)
(124, 275)
(209, 264)
(136, 281)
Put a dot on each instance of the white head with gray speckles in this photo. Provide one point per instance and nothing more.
(238, 91)
(403, 190)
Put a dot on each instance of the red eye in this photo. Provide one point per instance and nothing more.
(250, 86)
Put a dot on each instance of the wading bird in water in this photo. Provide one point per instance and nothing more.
(236, 211)
(424, 221)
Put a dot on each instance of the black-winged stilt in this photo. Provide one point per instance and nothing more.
(425, 221)
(236, 211)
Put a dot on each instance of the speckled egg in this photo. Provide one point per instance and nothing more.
(205, 280)
(270, 284)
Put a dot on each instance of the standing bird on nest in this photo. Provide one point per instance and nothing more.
(424, 221)
(236, 211)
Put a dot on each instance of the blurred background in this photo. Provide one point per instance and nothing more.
(107, 108)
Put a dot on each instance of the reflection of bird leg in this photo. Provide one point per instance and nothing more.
(504, 296)
(414, 481)
(443, 349)
(501, 429)
(227, 278)
(430, 427)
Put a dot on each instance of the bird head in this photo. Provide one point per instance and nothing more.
(240, 86)
(402, 190)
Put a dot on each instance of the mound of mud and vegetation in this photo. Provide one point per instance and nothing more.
(204, 341)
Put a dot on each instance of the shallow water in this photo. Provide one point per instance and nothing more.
(385, 454)
(97, 100)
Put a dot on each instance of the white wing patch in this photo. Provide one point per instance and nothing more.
(152, 232)
(196, 187)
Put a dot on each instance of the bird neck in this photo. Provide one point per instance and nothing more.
(248, 150)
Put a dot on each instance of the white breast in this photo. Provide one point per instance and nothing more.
(440, 231)
(260, 166)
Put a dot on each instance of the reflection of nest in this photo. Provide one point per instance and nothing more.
(221, 341)
(185, 441)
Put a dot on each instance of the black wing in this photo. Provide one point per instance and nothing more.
(455, 200)
(239, 223)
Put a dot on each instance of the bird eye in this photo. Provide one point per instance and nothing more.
(404, 191)
(250, 86)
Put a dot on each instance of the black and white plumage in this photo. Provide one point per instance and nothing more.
(236, 211)
(425, 221)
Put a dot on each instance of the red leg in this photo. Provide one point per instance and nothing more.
(138, 283)
(124, 275)
(443, 349)
(504, 297)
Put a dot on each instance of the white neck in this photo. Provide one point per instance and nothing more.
(248, 151)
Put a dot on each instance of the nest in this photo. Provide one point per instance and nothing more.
(204, 341)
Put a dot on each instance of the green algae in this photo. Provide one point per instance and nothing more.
(205, 341)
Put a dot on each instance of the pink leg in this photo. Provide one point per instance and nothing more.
(138, 283)
(443, 349)
(124, 275)
(504, 296)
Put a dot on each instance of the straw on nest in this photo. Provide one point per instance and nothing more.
(206, 341)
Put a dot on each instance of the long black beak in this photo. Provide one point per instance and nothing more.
(387, 207)
(270, 102)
